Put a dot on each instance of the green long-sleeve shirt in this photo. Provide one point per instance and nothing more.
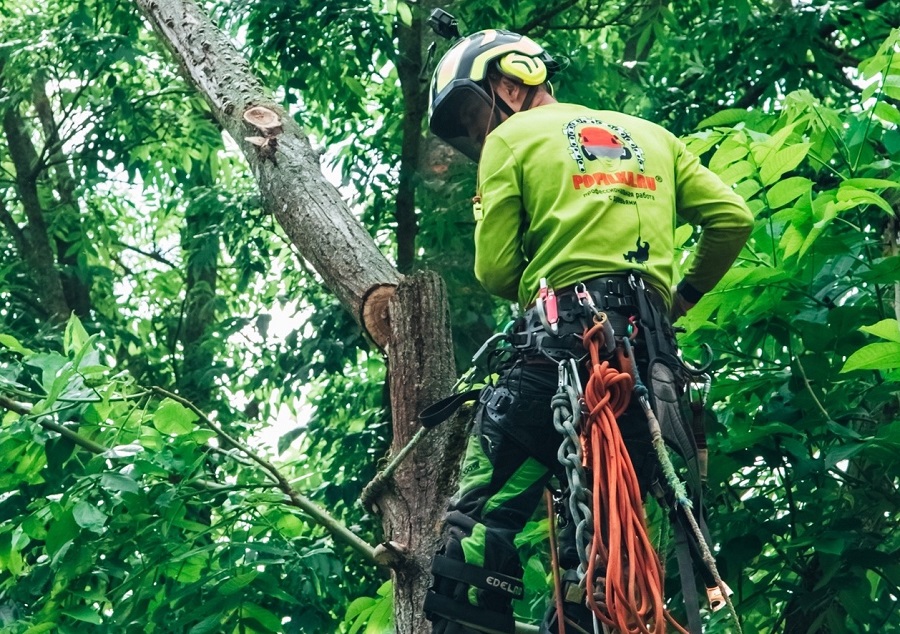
(569, 193)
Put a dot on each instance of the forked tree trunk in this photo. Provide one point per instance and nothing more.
(409, 322)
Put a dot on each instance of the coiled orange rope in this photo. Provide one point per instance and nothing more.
(631, 600)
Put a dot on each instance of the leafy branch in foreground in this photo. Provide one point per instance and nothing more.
(91, 455)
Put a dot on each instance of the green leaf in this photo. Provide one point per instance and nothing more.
(889, 433)
(237, 582)
(884, 271)
(791, 241)
(887, 112)
(290, 526)
(747, 189)
(829, 213)
(34, 527)
(854, 196)
(886, 329)
(788, 190)
(174, 418)
(386, 589)
(75, 336)
(724, 118)
(356, 86)
(62, 531)
(118, 483)
(261, 615)
(727, 154)
(43, 627)
(405, 13)
(381, 620)
(868, 183)
(8, 341)
(201, 436)
(83, 613)
(89, 516)
(10, 557)
(358, 612)
(875, 356)
(783, 161)
(737, 172)
(682, 235)
(212, 623)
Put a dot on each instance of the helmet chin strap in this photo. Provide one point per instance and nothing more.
(501, 103)
(529, 98)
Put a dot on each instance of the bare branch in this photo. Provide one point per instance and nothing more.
(10, 224)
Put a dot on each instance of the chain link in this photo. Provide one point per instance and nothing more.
(567, 416)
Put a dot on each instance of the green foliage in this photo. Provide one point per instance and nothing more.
(372, 615)
(122, 509)
(139, 508)
(804, 471)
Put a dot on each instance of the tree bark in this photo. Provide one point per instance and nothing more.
(75, 279)
(421, 364)
(414, 318)
(200, 244)
(38, 250)
(286, 167)
(415, 103)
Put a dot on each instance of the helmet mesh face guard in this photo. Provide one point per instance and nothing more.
(459, 86)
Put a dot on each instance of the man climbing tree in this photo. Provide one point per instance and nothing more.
(563, 191)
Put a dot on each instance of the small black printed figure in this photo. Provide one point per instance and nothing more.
(639, 255)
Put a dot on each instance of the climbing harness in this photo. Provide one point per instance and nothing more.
(620, 570)
(619, 576)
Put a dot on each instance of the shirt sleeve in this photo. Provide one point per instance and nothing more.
(725, 222)
(499, 259)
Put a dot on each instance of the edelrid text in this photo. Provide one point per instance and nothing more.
(632, 179)
(506, 586)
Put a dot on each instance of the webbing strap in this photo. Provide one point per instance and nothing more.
(480, 619)
(688, 580)
(435, 414)
(477, 576)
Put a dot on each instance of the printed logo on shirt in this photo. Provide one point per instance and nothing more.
(611, 169)
(606, 155)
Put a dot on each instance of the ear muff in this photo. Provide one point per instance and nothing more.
(531, 71)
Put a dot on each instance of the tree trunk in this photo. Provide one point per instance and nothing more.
(286, 167)
(38, 253)
(415, 103)
(200, 244)
(74, 277)
(412, 326)
(421, 363)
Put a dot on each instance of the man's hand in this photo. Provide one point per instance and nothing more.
(679, 306)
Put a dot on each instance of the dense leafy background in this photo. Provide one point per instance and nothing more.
(123, 506)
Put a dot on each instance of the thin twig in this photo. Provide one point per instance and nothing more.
(320, 515)
(808, 385)
(24, 409)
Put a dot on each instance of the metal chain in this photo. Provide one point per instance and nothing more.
(567, 415)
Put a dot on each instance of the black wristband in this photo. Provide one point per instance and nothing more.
(688, 291)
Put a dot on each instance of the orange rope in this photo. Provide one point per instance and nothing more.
(632, 594)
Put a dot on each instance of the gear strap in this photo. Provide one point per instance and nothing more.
(437, 413)
(480, 619)
(477, 576)
(688, 580)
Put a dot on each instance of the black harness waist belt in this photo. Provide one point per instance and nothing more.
(619, 296)
(612, 292)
